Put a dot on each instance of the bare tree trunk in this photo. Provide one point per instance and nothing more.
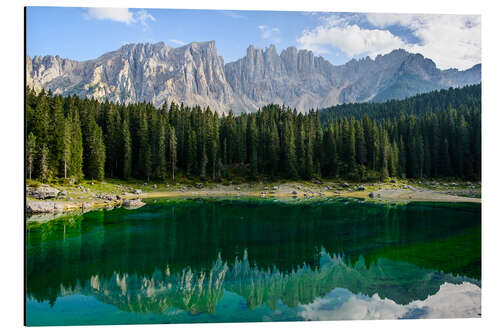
(65, 168)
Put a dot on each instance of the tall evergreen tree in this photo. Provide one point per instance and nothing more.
(127, 150)
(172, 143)
(76, 160)
(66, 146)
(96, 151)
(30, 153)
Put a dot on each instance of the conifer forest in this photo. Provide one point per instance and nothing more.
(432, 135)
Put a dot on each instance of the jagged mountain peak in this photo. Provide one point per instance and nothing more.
(195, 74)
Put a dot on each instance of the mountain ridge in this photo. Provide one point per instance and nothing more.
(195, 74)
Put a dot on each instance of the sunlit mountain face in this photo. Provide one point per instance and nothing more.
(220, 260)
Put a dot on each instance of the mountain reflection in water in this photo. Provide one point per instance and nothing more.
(319, 261)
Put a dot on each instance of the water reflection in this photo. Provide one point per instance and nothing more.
(451, 301)
(229, 260)
(335, 290)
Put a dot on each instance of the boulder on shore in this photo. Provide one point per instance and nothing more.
(43, 192)
(133, 203)
(107, 197)
(35, 207)
(87, 206)
(137, 191)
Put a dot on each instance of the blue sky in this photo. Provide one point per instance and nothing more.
(86, 33)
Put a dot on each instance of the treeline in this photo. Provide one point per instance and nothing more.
(437, 101)
(73, 138)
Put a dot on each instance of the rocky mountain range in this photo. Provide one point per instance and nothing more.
(196, 74)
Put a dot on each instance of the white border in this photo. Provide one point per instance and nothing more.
(11, 110)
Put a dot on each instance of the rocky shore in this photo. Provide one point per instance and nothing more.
(53, 199)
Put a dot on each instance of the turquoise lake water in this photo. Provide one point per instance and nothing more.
(248, 260)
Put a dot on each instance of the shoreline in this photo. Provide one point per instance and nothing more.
(116, 194)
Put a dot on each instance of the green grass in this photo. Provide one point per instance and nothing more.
(79, 191)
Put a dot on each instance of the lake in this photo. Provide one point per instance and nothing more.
(249, 260)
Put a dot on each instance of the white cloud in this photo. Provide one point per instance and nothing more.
(351, 39)
(143, 17)
(451, 301)
(123, 15)
(449, 40)
(176, 41)
(270, 33)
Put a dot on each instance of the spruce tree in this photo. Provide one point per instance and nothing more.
(252, 145)
(127, 150)
(172, 144)
(30, 153)
(96, 151)
(66, 146)
(76, 160)
(44, 163)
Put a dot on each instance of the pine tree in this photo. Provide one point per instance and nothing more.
(252, 145)
(330, 153)
(44, 163)
(191, 153)
(96, 151)
(144, 149)
(66, 143)
(309, 158)
(274, 150)
(127, 150)
(290, 160)
(300, 146)
(172, 144)
(76, 160)
(445, 159)
(214, 144)
(348, 149)
(30, 152)
(384, 155)
(162, 152)
(57, 142)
